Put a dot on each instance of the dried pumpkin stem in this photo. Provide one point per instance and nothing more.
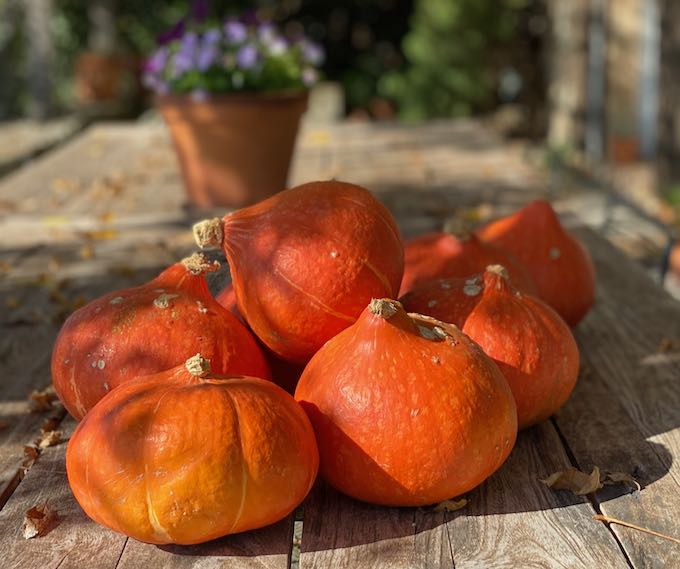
(208, 233)
(384, 307)
(198, 264)
(198, 366)
(607, 519)
(499, 270)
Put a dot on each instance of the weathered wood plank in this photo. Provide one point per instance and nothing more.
(266, 548)
(625, 413)
(512, 520)
(74, 543)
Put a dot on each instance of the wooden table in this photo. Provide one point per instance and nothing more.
(105, 211)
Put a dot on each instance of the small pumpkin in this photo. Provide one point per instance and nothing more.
(443, 254)
(147, 329)
(559, 264)
(532, 345)
(186, 456)
(407, 410)
(306, 261)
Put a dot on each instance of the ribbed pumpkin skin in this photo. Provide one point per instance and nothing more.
(307, 261)
(443, 255)
(173, 458)
(404, 417)
(532, 345)
(559, 264)
(144, 330)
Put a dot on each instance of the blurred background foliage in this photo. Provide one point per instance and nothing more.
(415, 59)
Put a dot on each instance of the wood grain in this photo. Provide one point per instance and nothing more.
(624, 415)
(74, 543)
(266, 548)
(512, 520)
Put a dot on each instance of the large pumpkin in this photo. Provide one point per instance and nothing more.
(559, 264)
(147, 329)
(307, 261)
(532, 345)
(407, 410)
(186, 456)
(441, 255)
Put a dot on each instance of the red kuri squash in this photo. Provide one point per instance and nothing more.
(407, 410)
(306, 262)
(147, 329)
(559, 264)
(186, 456)
(532, 345)
(441, 255)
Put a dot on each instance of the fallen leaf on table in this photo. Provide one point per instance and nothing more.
(39, 520)
(50, 424)
(574, 480)
(31, 453)
(50, 439)
(86, 251)
(106, 217)
(40, 400)
(450, 505)
(611, 478)
(100, 234)
(668, 345)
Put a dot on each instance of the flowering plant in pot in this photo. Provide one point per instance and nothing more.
(232, 95)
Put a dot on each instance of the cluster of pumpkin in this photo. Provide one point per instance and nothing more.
(184, 437)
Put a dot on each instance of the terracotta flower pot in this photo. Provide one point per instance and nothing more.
(234, 149)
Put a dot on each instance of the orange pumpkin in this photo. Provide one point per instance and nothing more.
(532, 345)
(407, 410)
(147, 329)
(441, 255)
(559, 264)
(186, 456)
(306, 262)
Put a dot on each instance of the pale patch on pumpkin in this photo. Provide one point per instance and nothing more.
(554, 253)
(116, 300)
(432, 303)
(163, 301)
(334, 254)
(445, 285)
(201, 308)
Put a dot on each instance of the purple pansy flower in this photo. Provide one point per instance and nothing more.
(309, 76)
(312, 53)
(247, 56)
(235, 31)
(212, 36)
(173, 33)
(156, 63)
(278, 46)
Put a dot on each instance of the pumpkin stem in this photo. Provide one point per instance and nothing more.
(208, 233)
(198, 366)
(198, 264)
(499, 270)
(384, 307)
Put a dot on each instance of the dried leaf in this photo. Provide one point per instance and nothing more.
(50, 424)
(668, 345)
(39, 520)
(50, 439)
(86, 252)
(4, 424)
(123, 271)
(5, 267)
(106, 217)
(40, 400)
(100, 234)
(450, 505)
(31, 453)
(574, 480)
(611, 478)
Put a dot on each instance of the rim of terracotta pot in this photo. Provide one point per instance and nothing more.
(258, 97)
